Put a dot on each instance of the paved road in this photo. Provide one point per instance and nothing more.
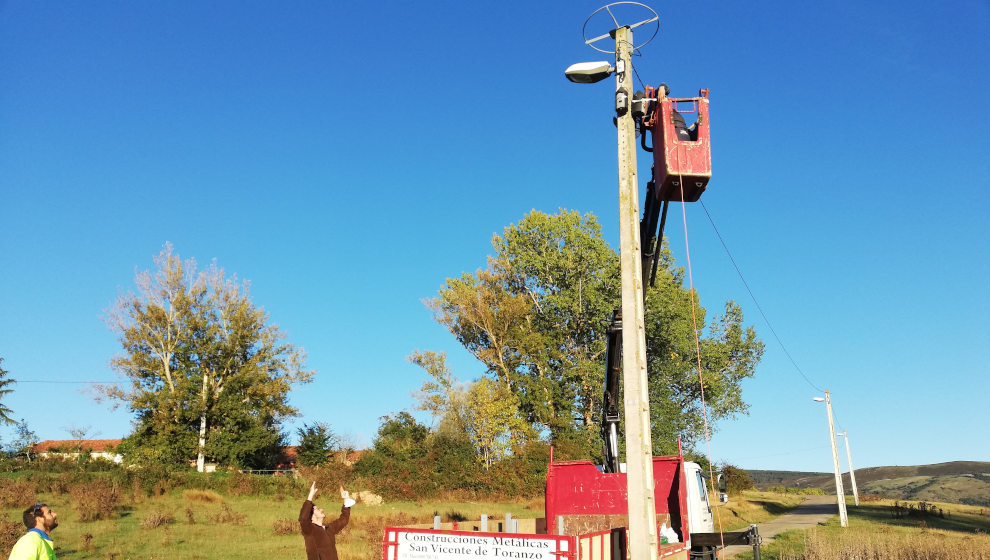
(813, 511)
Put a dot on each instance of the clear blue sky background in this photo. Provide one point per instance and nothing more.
(348, 157)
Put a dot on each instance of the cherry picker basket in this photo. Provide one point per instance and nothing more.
(678, 160)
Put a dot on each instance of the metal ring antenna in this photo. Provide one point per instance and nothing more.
(608, 8)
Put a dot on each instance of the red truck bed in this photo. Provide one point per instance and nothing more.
(581, 499)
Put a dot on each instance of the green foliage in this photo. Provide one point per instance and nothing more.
(537, 318)
(736, 479)
(443, 396)
(316, 441)
(398, 461)
(409, 462)
(25, 439)
(495, 425)
(209, 376)
(798, 491)
(5, 389)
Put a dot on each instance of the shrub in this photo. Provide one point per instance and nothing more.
(16, 493)
(241, 484)
(87, 541)
(228, 516)
(328, 478)
(95, 500)
(155, 519)
(285, 527)
(736, 479)
(10, 531)
(202, 496)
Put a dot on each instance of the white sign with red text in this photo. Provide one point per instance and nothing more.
(449, 545)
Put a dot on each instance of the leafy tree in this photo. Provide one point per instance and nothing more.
(5, 389)
(443, 397)
(26, 439)
(537, 318)
(736, 479)
(316, 442)
(400, 460)
(494, 422)
(209, 376)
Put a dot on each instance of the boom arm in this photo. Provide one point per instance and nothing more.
(610, 401)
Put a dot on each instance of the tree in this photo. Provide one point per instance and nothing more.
(537, 317)
(444, 397)
(25, 440)
(494, 422)
(78, 435)
(736, 479)
(5, 389)
(316, 442)
(209, 376)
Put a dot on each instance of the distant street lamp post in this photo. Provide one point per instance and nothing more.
(839, 491)
(852, 472)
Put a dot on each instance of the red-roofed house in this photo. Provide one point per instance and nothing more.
(70, 448)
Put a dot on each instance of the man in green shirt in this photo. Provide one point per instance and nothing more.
(36, 544)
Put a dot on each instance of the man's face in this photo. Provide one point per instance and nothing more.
(318, 515)
(50, 518)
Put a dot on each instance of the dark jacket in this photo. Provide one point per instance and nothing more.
(321, 542)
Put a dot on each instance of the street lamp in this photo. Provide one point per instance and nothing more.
(588, 72)
(642, 526)
(840, 493)
(852, 472)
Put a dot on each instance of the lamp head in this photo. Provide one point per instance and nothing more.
(588, 72)
(819, 399)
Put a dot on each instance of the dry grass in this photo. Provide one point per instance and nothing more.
(10, 531)
(156, 518)
(285, 527)
(885, 543)
(202, 496)
(95, 500)
(16, 493)
(228, 516)
(366, 534)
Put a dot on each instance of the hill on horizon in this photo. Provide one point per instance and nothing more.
(960, 482)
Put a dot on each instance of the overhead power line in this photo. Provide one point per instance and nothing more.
(58, 381)
(751, 295)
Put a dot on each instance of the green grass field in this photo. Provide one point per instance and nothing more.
(194, 524)
(248, 532)
(874, 534)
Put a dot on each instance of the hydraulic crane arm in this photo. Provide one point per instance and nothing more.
(610, 402)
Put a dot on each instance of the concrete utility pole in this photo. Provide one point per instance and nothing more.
(840, 492)
(852, 473)
(643, 541)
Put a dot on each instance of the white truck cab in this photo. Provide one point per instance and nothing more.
(700, 517)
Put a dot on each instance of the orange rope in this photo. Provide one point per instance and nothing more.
(697, 348)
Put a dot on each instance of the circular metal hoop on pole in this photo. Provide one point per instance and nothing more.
(608, 9)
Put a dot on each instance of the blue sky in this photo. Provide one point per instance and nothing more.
(346, 158)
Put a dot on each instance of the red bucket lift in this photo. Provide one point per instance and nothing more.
(677, 160)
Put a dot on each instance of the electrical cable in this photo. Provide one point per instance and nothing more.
(642, 84)
(765, 318)
(697, 347)
(69, 382)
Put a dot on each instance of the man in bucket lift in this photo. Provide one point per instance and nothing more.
(684, 134)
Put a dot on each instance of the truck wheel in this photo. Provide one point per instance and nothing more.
(704, 553)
